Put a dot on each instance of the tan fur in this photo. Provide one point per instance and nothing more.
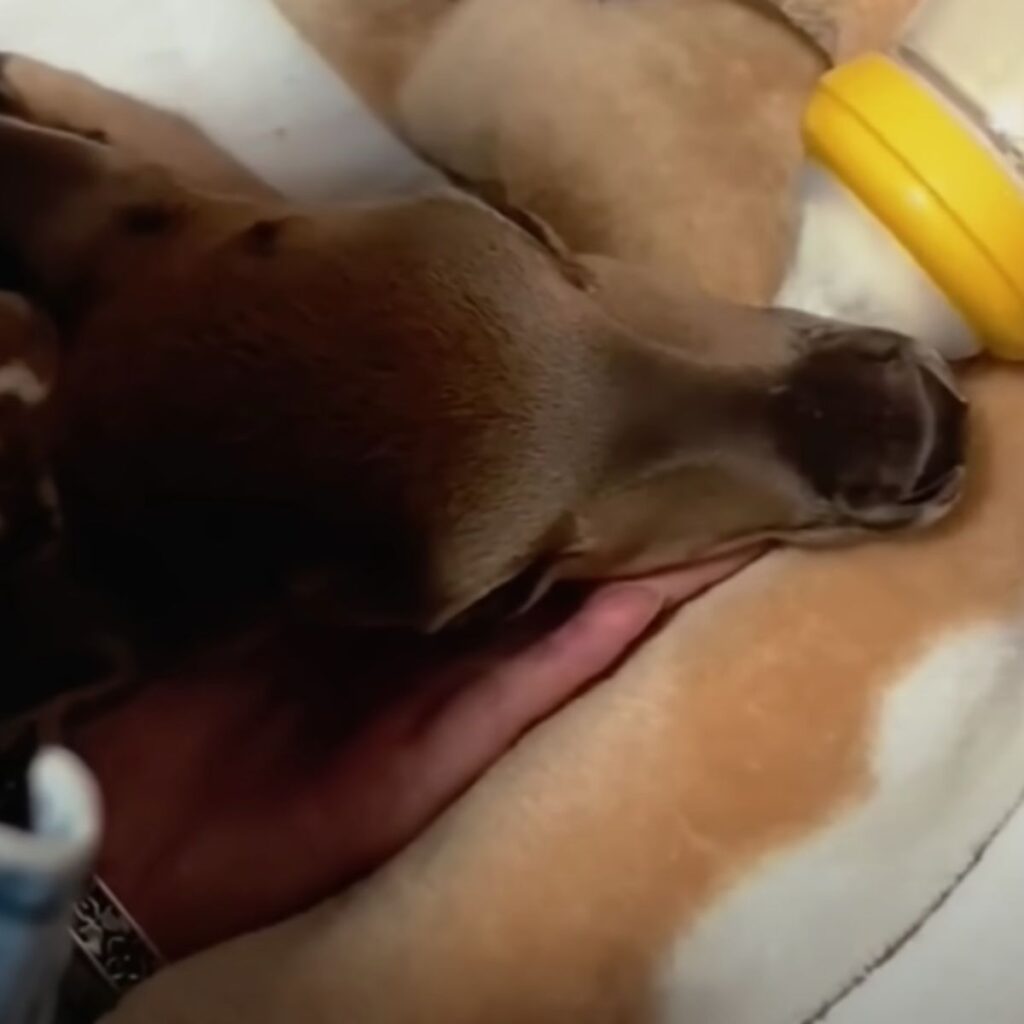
(413, 404)
(61, 98)
(623, 163)
(630, 160)
(552, 890)
(684, 771)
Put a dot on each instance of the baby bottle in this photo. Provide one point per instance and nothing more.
(912, 214)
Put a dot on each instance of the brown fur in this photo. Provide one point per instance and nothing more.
(674, 138)
(553, 890)
(62, 99)
(418, 402)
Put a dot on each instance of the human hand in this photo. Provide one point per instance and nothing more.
(249, 786)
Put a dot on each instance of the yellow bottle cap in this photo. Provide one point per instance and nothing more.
(934, 182)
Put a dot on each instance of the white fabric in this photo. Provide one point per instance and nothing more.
(238, 71)
(964, 965)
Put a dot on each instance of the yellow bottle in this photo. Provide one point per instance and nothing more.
(912, 213)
